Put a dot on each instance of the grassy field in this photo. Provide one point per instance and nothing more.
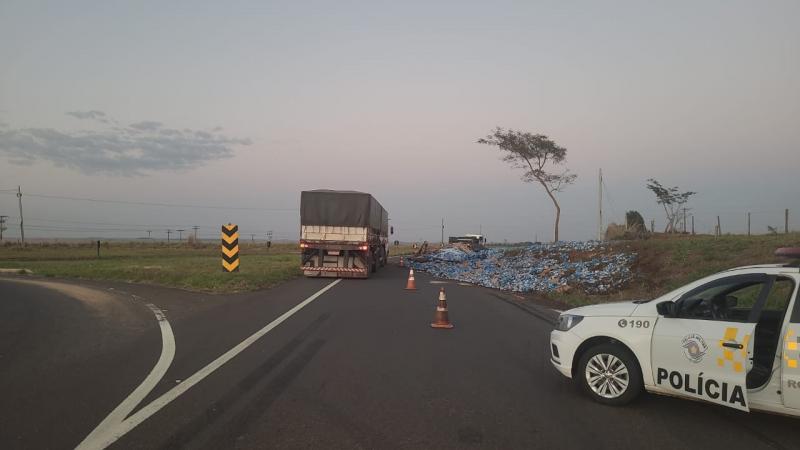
(177, 265)
(668, 262)
(663, 264)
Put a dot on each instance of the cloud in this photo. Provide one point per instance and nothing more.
(147, 125)
(90, 115)
(137, 149)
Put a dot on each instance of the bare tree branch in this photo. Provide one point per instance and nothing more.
(671, 199)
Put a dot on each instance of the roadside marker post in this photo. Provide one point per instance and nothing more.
(230, 248)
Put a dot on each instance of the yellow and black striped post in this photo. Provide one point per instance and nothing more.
(230, 248)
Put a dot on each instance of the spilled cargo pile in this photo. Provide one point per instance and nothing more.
(560, 267)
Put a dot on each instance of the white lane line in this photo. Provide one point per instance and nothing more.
(113, 434)
(96, 437)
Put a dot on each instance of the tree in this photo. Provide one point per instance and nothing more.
(536, 154)
(634, 223)
(671, 199)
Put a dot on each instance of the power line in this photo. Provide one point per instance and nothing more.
(610, 200)
(164, 205)
(40, 219)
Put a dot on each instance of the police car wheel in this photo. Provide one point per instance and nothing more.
(609, 374)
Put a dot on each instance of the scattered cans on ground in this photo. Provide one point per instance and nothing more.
(560, 267)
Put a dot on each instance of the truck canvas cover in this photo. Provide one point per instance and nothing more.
(324, 207)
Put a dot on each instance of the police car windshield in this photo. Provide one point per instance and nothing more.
(668, 295)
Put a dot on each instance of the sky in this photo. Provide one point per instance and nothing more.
(224, 111)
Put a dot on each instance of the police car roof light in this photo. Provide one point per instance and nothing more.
(789, 252)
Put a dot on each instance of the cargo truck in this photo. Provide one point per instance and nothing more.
(343, 234)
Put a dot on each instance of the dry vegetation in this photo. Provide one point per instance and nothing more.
(666, 262)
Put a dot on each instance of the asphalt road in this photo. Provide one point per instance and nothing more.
(359, 367)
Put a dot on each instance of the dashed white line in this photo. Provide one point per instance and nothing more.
(97, 437)
(116, 431)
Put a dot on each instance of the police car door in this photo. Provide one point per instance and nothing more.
(790, 360)
(702, 347)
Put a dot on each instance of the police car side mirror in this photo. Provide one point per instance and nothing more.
(666, 309)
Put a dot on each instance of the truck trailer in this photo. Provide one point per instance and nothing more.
(343, 234)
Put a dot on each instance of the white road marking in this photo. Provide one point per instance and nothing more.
(111, 435)
(96, 437)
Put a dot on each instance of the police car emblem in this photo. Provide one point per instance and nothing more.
(694, 347)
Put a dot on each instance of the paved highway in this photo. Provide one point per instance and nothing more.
(356, 366)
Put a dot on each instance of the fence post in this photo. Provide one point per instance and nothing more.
(692, 224)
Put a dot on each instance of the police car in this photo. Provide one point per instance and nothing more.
(732, 338)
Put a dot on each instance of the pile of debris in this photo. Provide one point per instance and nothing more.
(560, 267)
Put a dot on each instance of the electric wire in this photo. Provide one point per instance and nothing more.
(157, 204)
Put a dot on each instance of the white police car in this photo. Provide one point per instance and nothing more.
(732, 338)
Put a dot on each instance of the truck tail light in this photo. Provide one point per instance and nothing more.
(303, 245)
(363, 247)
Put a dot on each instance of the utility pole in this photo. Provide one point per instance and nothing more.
(600, 206)
(692, 224)
(442, 231)
(748, 224)
(21, 226)
(195, 228)
(180, 234)
(168, 233)
(2, 226)
(148, 233)
(684, 220)
(786, 221)
(253, 238)
(719, 227)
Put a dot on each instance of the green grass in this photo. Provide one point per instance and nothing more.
(176, 265)
(669, 262)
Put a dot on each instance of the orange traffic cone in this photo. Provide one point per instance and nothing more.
(441, 319)
(401, 262)
(411, 285)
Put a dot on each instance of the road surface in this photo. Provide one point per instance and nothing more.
(356, 366)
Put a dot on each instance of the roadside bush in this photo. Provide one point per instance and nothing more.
(615, 232)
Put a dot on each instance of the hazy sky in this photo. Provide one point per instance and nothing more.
(245, 104)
